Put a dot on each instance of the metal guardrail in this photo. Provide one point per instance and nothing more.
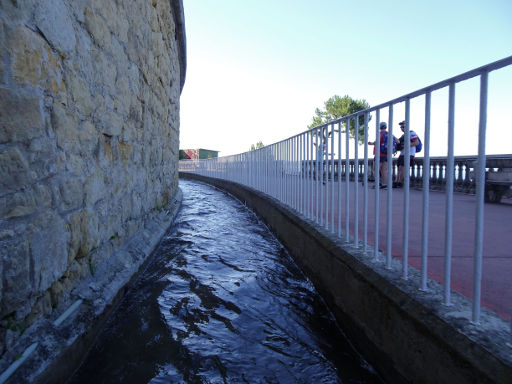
(464, 180)
(301, 171)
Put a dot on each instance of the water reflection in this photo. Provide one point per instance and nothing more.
(221, 302)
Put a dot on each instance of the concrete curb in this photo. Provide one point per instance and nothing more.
(63, 342)
(403, 332)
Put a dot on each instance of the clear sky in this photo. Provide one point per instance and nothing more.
(258, 69)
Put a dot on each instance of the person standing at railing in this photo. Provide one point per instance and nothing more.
(383, 154)
(414, 142)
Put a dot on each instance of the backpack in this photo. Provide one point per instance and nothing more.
(384, 143)
(419, 147)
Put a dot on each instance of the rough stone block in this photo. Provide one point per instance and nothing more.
(134, 78)
(14, 169)
(126, 154)
(85, 238)
(52, 76)
(4, 234)
(43, 195)
(80, 94)
(19, 204)
(75, 163)
(17, 10)
(88, 137)
(17, 286)
(21, 118)
(136, 205)
(105, 73)
(112, 124)
(121, 60)
(65, 126)
(105, 156)
(85, 49)
(3, 49)
(72, 193)
(121, 29)
(123, 101)
(53, 20)
(89, 228)
(94, 188)
(56, 293)
(49, 238)
(157, 44)
(42, 306)
(98, 28)
(26, 50)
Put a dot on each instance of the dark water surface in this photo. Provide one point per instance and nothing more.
(221, 302)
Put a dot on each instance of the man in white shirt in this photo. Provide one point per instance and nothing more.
(412, 152)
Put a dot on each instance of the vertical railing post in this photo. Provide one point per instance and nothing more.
(339, 179)
(324, 149)
(332, 178)
(407, 164)
(347, 181)
(302, 164)
(318, 176)
(389, 216)
(365, 183)
(449, 196)
(288, 192)
(426, 191)
(480, 190)
(376, 172)
(296, 172)
(356, 183)
(279, 180)
(312, 169)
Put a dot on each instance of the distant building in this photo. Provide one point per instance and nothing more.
(200, 153)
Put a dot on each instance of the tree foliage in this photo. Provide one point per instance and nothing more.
(337, 107)
(258, 145)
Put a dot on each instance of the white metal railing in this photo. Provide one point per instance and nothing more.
(306, 172)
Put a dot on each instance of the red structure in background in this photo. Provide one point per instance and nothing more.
(189, 154)
(199, 153)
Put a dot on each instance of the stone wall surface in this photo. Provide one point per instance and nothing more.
(89, 136)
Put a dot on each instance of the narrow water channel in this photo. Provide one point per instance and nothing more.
(221, 302)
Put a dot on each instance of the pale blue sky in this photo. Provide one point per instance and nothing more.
(256, 70)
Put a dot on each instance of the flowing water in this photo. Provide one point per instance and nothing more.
(221, 302)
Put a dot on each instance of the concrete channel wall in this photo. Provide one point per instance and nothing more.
(404, 333)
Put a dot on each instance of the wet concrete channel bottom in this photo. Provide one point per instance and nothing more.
(221, 301)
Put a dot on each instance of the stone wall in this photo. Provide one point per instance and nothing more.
(89, 125)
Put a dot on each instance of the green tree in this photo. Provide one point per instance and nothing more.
(258, 145)
(337, 107)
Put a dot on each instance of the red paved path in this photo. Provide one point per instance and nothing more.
(497, 249)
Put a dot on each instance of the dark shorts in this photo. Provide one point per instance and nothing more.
(400, 161)
(384, 159)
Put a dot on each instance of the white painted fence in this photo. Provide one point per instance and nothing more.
(310, 172)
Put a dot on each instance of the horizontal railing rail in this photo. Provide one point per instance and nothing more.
(464, 180)
(320, 174)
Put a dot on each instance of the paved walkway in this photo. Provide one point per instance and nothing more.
(497, 249)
